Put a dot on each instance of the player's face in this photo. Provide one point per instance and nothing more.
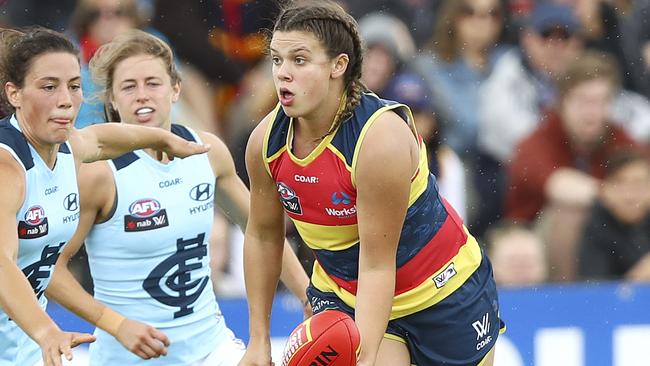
(301, 72)
(142, 91)
(49, 100)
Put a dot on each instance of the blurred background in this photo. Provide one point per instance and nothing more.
(537, 121)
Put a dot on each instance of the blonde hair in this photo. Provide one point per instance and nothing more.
(132, 43)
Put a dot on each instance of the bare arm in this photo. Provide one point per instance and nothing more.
(386, 162)
(17, 298)
(262, 250)
(234, 199)
(110, 140)
(97, 192)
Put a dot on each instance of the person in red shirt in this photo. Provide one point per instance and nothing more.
(555, 173)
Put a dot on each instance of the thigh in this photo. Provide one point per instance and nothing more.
(393, 352)
(228, 353)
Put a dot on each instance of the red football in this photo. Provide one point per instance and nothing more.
(329, 338)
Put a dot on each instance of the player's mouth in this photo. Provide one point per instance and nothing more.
(144, 114)
(286, 97)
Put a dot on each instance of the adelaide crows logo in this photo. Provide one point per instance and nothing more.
(37, 273)
(179, 289)
(289, 200)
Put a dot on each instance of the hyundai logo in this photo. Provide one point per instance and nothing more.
(202, 192)
(70, 202)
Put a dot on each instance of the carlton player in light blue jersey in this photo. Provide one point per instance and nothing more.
(40, 152)
(147, 223)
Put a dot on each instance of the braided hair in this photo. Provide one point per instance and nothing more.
(338, 32)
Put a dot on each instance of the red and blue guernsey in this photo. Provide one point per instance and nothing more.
(435, 255)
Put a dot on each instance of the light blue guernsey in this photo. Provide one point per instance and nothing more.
(150, 260)
(45, 222)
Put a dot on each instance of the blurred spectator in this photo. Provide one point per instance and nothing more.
(523, 85)
(26, 13)
(225, 40)
(388, 45)
(517, 254)
(419, 15)
(458, 58)
(615, 243)
(408, 88)
(636, 39)
(94, 23)
(555, 170)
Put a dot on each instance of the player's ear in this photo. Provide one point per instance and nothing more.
(339, 65)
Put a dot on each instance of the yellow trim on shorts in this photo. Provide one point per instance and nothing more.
(394, 337)
(421, 297)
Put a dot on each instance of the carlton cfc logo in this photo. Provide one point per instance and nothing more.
(35, 215)
(145, 207)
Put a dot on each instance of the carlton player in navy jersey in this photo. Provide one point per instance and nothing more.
(351, 172)
(40, 152)
(147, 224)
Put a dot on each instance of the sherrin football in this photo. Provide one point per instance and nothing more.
(329, 338)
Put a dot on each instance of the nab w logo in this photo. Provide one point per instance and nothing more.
(482, 327)
(171, 283)
(202, 192)
(70, 202)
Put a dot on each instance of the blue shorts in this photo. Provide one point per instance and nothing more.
(457, 331)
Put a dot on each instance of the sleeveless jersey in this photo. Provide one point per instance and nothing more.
(45, 222)
(435, 254)
(150, 260)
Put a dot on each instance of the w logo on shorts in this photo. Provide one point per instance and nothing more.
(482, 327)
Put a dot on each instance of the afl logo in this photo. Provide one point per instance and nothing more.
(202, 192)
(34, 215)
(70, 202)
(145, 207)
(286, 193)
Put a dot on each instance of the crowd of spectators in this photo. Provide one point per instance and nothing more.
(535, 113)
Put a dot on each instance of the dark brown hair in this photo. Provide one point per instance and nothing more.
(19, 49)
(338, 33)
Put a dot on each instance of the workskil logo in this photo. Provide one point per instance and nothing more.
(145, 214)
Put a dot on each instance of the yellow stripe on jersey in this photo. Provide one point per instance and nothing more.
(327, 237)
(421, 181)
(421, 297)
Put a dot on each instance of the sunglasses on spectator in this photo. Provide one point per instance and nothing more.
(558, 32)
(95, 14)
(468, 11)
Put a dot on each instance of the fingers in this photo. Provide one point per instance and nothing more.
(162, 337)
(66, 351)
(79, 338)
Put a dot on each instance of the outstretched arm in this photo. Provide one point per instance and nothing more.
(97, 193)
(17, 297)
(234, 200)
(110, 140)
(262, 251)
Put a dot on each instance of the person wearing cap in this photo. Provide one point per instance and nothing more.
(523, 85)
(444, 163)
